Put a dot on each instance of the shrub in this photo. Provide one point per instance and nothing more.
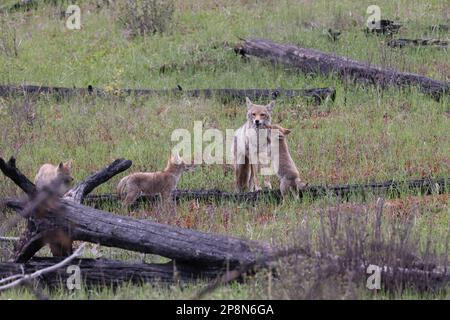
(9, 45)
(143, 17)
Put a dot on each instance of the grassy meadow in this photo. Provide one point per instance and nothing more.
(364, 135)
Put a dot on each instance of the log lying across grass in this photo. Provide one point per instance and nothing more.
(317, 62)
(387, 188)
(103, 272)
(84, 223)
(400, 43)
(317, 94)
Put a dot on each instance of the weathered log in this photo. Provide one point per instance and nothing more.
(110, 273)
(97, 226)
(400, 43)
(387, 188)
(184, 245)
(318, 94)
(314, 61)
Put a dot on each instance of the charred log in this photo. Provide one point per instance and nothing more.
(317, 94)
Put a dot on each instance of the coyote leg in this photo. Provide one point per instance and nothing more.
(254, 183)
(242, 172)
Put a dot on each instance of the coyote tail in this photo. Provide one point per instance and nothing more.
(122, 186)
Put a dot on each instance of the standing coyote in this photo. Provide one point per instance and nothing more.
(151, 183)
(248, 150)
(49, 172)
(286, 169)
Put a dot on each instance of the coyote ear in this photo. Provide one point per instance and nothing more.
(248, 102)
(271, 105)
(176, 158)
(61, 166)
(68, 164)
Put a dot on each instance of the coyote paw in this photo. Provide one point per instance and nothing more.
(256, 188)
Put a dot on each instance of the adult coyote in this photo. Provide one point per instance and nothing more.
(251, 146)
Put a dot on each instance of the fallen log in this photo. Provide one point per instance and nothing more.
(387, 188)
(110, 273)
(89, 224)
(400, 43)
(317, 62)
(317, 94)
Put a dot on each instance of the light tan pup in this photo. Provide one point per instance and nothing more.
(49, 172)
(286, 171)
(152, 183)
(59, 242)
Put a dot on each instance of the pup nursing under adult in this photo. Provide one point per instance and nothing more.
(151, 183)
(248, 151)
(286, 169)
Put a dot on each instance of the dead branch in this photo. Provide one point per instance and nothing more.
(9, 239)
(10, 170)
(39, 273)
(78, 192)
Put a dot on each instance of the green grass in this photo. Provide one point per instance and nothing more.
(365, 135)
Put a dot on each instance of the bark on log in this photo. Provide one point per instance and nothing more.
(97, 226)
(103, 272)
(314, 61)
(318, 94)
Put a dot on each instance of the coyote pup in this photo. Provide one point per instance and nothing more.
(60, 243)
(150, 183)
(245, 166)
(49, 172)
(286, 170)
